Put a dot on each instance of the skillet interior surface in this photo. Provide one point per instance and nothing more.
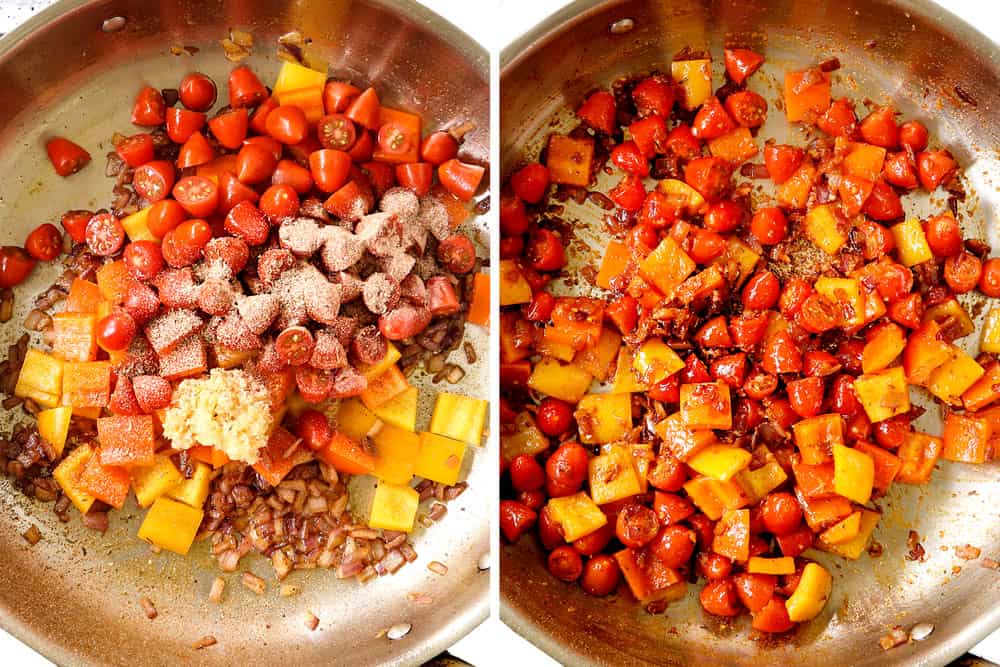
(75, 595)
(929, 65)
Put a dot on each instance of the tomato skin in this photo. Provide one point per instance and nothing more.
(149, 109)
(511, 247)
(883, 204)
(708, 175)
(879, 128)
(417, 176)
(245, 89)
(624, 313)
(674, 545)
(943, 235)
(598, 111)
(706, 245)
(460, 179)
(741, 63)
(781, 354)
(197, 92)
(793, 295)
(144, 259)
(682, 143)
(287, 124)
(629, 194)
(364, 109)
(66, 157)
(934, 168)
(712, 566)
(723, 216)
(279, 201)
(657, 212)
(526, 474)
(566, 470)
(44, 243)
(854, 192)
(195, 151)
(654, 96)
(164, 216)
(900, 171)
(805, 396)
(116, 331)
(667, 390)
(772, 617)
(891, 432)
(712, 120)
(329, 169)
(554, 416)
(908, 311)
(154, 180)
(989, 282)
(314, 429)
(595, 542)
(438, 147)
(15, 265)
(782, 160)
(198, 195)
(819, 363)
(747, 108)
(545, 251)
(246, 221)
(565, 564)
(755, 590)
(769, 225)
(636, 525)
(515, 519)
(289, 173)
(75, 224)
(650, 135)
(748, 329)
(913, 135)
(181, 124)
(761, 291)
(231, 128)
(714, 333)
(136, 150)
(255, 164)
(337, 96)
(600, 576)
(719, 598)
(962, 272)
(530, 182)
(258, 120)
(780, 512)
(839, 120)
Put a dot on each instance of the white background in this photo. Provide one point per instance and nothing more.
(494, 23)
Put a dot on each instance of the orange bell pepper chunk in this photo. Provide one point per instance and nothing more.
(479, 308)
(275, 463)
(887, 464)
(75, 336)
(127, 440)
(384, 388)
(966, 438)
(213, 170)
(209, 455)
(114, 281)
(347, 455)
(107, 483)
(86, 384)
(310, 100)
(616, 259)
(84, 297)
(806, 102)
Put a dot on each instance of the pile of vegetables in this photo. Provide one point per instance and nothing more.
(737, 391)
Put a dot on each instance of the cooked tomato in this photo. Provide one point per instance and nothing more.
(741, 63)
(44, 243)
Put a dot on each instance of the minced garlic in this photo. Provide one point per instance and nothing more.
(228, 410)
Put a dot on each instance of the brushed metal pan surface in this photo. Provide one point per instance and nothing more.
(914, 54)
(74, 596)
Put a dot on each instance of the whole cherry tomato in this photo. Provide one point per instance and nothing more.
(197, 92)
(719, 598)
(565, 564)
(769, 225)
(600, 576)
(526, 474)
(962, 272)
(545, 251)
(566, 470)
(989, 282)
(780, 512)
(636, 525)
(143, 259)
(554, 416)
(116, 331)
(943, 235)
(675, 545)
(164, 216)
(15, 265)
(44, 243)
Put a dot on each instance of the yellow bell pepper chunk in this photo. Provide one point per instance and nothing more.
(597, 359)
(760, 565)
(400, 410)
(372, 371)
(714, 497)
(440, 458)
(67, 476)
(354, 419)
(952, 378)
(293, 76)
(154, 481)
(523, 438)
(823, 229)
(604, 417)
(884, 394)
(853, 474)
(844, 530)
(760, 482)
(911, 243)
(741, 255)
(564, 381)
(40, 378)
(397, 451)
(550, 346)
(706, 405)
(193, 491)
(883, 348)
(394, 507)
(53, 425)
(681, 441)
(720, 461)
(613, 476)
(171, 525)
(811, 594)
(951, 317)
(846, 294)
(667, 266)
(862, 160)
(991, 332)
(695, 79)
(856, 546)
(682, 197)
(137, 226)
(625, 381)
(514, 288)
(578, 515)
(655, 361)
(459, 417)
